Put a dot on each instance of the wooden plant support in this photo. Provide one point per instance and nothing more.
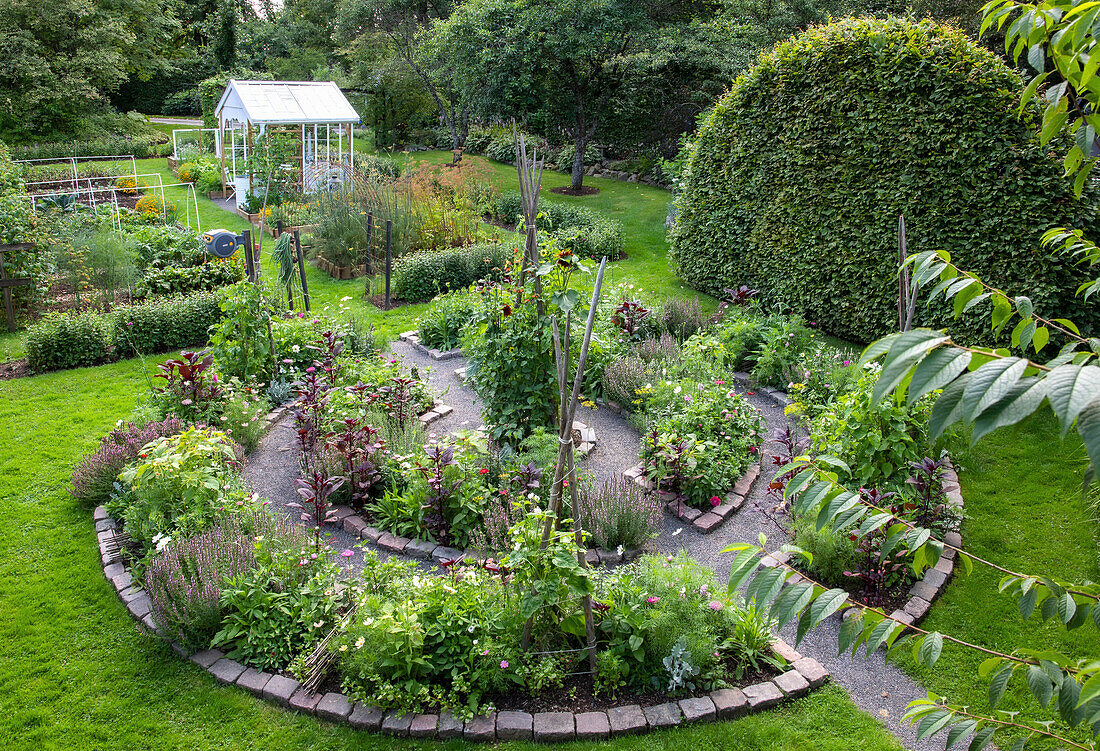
(389, 260)
(249, 258)
(565, 471)
(907, 299)
(7, 284)
(370, 245)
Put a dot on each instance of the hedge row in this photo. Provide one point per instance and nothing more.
(420, 276)
(796, 180)
(587, 233)
(71, 340)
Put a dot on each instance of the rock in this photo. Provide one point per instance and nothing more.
(662, 715)
(334, 707)
(554, 727)
(792, 683)
(481, 728)
(207, 657)
(626, 720)
(593, 726)
(226, 670)
(514, 726)
(729, 703)
(698, 709)
(762, 695)
(279, 689)
(253, 680)
(449, 727)
(396, 724)
(304, 701)
(812, 670)
(365, 717)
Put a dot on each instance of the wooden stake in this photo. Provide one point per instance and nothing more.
(7, 283)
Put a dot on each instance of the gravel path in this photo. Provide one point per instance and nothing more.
(876, 686)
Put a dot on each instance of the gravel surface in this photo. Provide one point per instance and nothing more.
(877, 687)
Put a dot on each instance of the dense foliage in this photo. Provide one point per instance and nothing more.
(796, 179)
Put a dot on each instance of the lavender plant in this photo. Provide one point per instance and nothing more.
(95, 475)
(618, 513)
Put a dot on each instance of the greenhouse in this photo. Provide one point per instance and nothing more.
(306, 127)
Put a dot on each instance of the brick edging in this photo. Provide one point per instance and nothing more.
(412, 338)
(802, 675)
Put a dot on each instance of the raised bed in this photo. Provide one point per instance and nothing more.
(802, 675)
(339, 272)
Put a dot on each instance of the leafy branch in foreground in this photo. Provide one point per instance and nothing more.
(1061, 33)
(1073, 687)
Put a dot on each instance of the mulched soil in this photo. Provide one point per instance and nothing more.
(14, 369)
(586, 190)
(379, 301)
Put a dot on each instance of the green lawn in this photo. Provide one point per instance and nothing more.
(1022, 488)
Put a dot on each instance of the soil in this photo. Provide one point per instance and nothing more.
(586, 190)
(379, 301)
(14, 369)
(100, 194)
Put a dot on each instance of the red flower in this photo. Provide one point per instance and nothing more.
(143, 456)
(483, 471)
(715, 500)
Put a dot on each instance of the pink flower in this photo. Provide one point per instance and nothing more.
(503, 664)
(653, 600)
(186, 402)
(288, 361)
(715, 500)
(752, 449)
(720, 383)
(485, 652)
(847, 363)
(310, 369)
(715, 605)
(347, 554)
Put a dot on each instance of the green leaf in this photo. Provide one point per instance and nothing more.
(937, 370)
(982, 738)
(823, 606)
(998, 683)
(1090, 689)
(959, 731)
(990, 383)
(1022, 400)
(948, 409)
(930, 647)
(904, 351)
(1040, 685)
(850, 630)
(1070, 388)
(791, 602)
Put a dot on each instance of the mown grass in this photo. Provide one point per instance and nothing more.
(76, 672)
(1025, 512)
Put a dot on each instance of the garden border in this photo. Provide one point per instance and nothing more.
(413, 338)
(803, 674)
(935, 579)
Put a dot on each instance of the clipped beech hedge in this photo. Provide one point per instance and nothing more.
(796, 179)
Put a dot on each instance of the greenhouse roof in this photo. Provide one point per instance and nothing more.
(285, 102)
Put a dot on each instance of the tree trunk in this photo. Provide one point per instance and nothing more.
(580, 143)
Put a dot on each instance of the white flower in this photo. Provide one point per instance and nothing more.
(295, 348)
(678, 531)
(345, 298)
(359, 643)
(619, 550)
(677, 390)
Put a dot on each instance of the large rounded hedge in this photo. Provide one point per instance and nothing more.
(796, 179)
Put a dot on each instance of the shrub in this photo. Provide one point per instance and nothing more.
(174, 280)
(420, 276)
(564, 158)
(618, 513)
(178, 486)
(879, 118)
(95, 476)
(681, 318)
(281, 607)
(876, 440)
(240, 342)
(502, 149)
(441, 326)
(167, 324)
(67, 340)
(623, 379)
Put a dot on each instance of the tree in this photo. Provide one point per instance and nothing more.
(405, 27)
(567, 58)
(60, 65)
